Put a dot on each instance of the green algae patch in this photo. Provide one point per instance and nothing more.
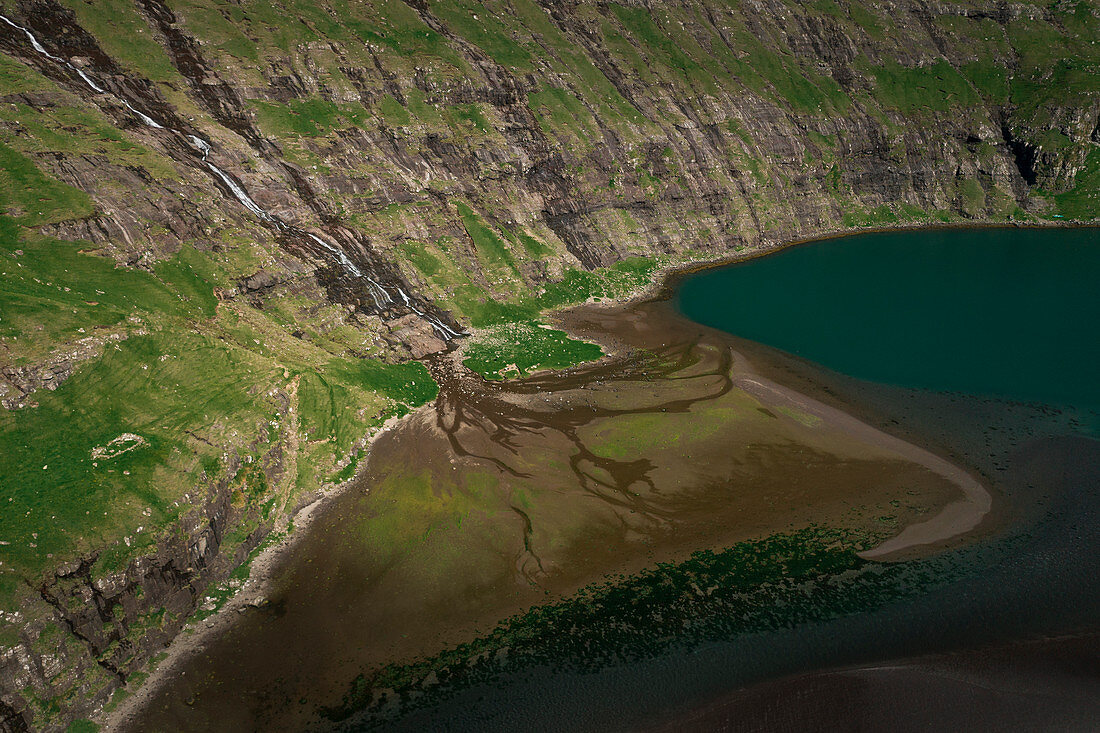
(515, 349)
(755, 586)
(637, 436)
(424, 514)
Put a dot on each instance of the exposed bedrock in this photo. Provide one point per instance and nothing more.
(347, 138)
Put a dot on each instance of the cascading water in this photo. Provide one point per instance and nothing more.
(378, 291)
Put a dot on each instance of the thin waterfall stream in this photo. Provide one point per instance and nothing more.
(380, 293)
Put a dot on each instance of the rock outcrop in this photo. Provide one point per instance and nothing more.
(403, 169)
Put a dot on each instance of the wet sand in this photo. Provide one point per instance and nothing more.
(502, 496)
(957, 518)
(1025, 580)
(195, 637)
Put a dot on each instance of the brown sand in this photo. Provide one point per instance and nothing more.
(505, 495)
(957, 518)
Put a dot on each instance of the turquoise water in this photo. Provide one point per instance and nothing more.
(1012, 313)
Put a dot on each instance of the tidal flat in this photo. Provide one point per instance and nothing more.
(507, 508)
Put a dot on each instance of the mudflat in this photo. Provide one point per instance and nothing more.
(505, 495)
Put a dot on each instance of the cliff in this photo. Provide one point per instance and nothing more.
(229, 229)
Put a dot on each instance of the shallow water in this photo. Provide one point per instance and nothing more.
(506, 496)
(1036, 582)
(1031, 575)
(503, 496)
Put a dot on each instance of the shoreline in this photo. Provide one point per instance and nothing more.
(663, 284)
(664, 278)
(953, 520)
(193, 636)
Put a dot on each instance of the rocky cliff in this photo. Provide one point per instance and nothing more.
(228, 228)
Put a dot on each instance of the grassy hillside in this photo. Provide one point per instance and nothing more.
(177, 374)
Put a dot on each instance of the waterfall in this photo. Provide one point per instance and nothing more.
(379, 292)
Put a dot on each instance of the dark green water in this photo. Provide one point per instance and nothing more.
(1013, 313)
(981, 344)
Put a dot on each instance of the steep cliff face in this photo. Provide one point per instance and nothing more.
(583, 123)
(277, 205)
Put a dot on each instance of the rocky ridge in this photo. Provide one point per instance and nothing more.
(472, 156)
